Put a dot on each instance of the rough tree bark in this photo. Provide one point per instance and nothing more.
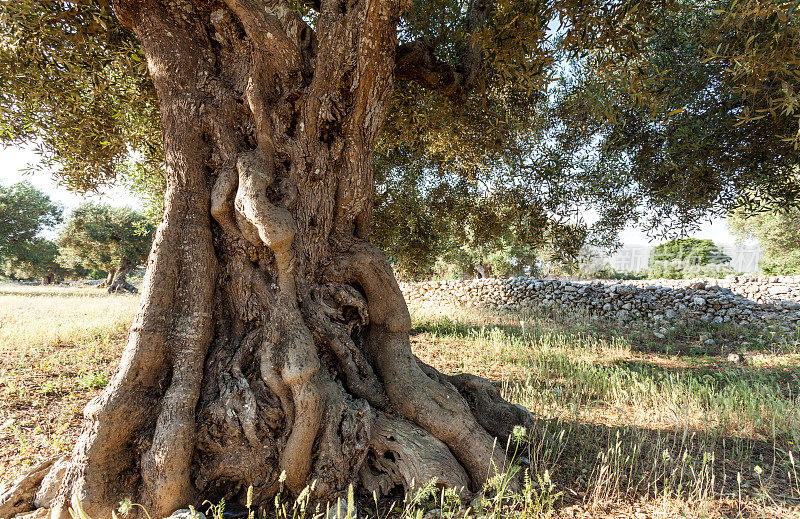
(483, 270)
(271, 336)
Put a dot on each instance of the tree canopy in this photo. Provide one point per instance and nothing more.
(660, 113)
(101, 237)
(95, 236)
(701, 119)
(683, 258)
(75, 85)
(778, 234)
(664, 114)
(25, 212)
(691, 250)
(37, 257)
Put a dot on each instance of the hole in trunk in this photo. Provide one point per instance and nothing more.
(292, 126)
(360, 289)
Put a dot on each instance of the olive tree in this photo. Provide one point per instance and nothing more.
(702, 120)
(37, 258)
(101, 237)
(24, 213)
(272, 337)
(778, 234)
(271, 347)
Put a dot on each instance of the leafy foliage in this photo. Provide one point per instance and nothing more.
(101, 237)
(696, 121)
(666, 111)
(470, 187)
(691, 250)
(74, 83)
(34, 258)
(688, 258)
(759, 42)
(24, 213)
(677, 269)
(778, 233)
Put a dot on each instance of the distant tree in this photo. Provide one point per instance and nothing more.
(778, 234)
(688, 258)
(37, 258)
(690, 250)
(113, 239)
(24, 213)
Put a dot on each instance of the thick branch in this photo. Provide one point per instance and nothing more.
(267, 32)
(417, 61)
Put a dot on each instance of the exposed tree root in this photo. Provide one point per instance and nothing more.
(119, 281)
(109, 278)
(406, 456)
(123, 288)
(48, 488)
(278, 398)
(494, 413)
(436, 407)
(19, 496)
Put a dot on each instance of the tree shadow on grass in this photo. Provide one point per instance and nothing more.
(100, 293)
(592, 462)
(721, 374)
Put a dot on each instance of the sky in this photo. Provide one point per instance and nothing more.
(13, 161)
(716, 230)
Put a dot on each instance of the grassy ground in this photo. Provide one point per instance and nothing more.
(634, 425)
(629, 424)
(58, 347)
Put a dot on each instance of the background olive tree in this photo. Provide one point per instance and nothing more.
(25, 212)
(700, 120)
(778, 234)
(688, 258)
(111, 239)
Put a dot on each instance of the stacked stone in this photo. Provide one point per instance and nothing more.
(761, 289)
(626, 301)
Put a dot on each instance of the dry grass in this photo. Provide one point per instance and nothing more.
(629, 424)
(629, 430)
(58, 346)
(32, 316)
(583, 369)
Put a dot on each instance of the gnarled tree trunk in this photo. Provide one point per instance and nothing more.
(109, 278)
(119, 278)
(483, 270)
(272, 337)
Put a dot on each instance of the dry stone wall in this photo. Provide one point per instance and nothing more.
(736, 299)
(761, 289)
